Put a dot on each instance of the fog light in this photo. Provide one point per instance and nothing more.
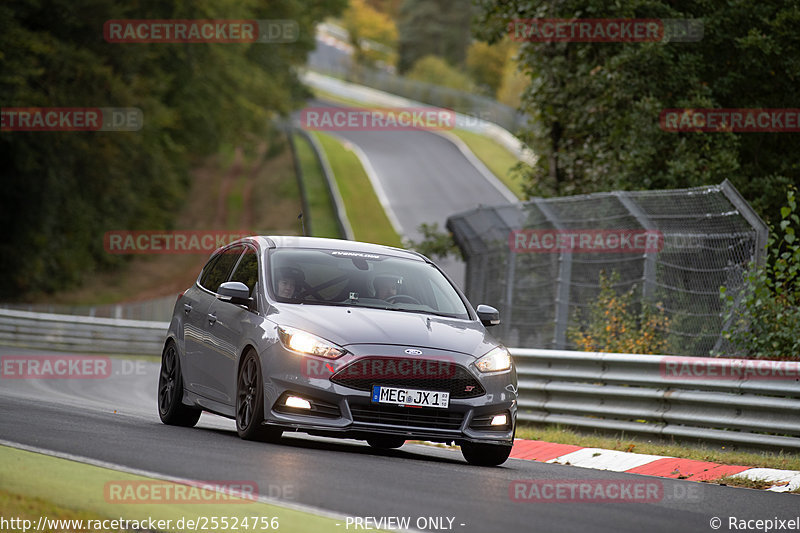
(299, 403)
(499, 420)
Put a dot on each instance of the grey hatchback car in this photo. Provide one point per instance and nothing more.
(342, 339)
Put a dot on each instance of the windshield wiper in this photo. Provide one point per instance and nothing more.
(435, 313)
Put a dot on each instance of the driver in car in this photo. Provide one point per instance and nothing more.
(385, 286)
(289, 281)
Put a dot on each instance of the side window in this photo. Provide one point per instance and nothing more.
(219, 268)
(247, 270)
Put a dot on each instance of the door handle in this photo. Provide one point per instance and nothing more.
(212, 318)
(187, 308)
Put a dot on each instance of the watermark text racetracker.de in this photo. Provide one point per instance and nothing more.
(602, 491)
(67, 367)
(192, 492)
(52, 119)
(605, 30)
(169, 242)
(201, 31)
(377, 119)
(585, 241)
(708, 120)
(706, 368)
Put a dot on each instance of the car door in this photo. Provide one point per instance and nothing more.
(230, 326)
(205, 377)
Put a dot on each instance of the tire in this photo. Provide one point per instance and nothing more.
(170, 391)
(485, 454)
(386, 443)
(250, 402)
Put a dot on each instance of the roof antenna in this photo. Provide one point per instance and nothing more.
(302, 224)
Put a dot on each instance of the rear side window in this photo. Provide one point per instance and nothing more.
(218, 269)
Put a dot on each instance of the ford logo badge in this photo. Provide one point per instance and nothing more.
(412, 351)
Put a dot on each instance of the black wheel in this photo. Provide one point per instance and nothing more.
(386, 443)
(170, 391)
(250, 402)
(485, 454)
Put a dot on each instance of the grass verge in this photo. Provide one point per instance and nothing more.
(628, 443)
(364, 210)
(320, 204)
(496, 158)
(44, 486)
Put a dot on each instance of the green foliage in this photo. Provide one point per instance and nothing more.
(63, 191)
(597, 105)
(364, 23)
(433, 27)
(765, 315)
(613, 324)
(432, 69)
(486, 64)
(434, 243)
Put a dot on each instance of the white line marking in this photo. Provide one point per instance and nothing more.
(174, 479)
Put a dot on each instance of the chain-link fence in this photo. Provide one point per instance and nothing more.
(540, 262)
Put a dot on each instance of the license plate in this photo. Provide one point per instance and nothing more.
(410, 397)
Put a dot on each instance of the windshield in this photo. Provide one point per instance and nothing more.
(336, 277)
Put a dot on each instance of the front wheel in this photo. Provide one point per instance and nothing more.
(250, 402)
(485, 454)
(170, 391)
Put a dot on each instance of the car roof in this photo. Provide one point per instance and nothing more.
(289, 241)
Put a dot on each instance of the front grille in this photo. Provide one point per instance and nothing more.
(427, 418)
(407, 373)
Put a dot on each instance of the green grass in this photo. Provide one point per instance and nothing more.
(365, 212)
(31, 508)
(496, 158)
(628, 443)
(330, 97)
(40, 485)
(320, 204)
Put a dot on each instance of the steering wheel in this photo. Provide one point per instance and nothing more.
(403, 297)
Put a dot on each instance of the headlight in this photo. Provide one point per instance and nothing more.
(496, 360)
(303, 342)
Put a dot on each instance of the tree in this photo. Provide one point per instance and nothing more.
(62, 191)
(486, 64)
(365, 24)
(597, 104)
(433, 27)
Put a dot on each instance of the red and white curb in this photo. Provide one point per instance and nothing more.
(651, 465)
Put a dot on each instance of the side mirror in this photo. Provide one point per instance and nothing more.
(236, 292)
(488, 315)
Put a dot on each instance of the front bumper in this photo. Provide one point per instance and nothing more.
(342, 411)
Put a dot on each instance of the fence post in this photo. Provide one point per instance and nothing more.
(562, 283)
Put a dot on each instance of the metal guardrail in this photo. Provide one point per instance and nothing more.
(663, 395)
(81, 334)
(643, 394)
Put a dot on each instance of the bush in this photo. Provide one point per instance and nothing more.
(613, 325)
(764, 316)
(432, 69)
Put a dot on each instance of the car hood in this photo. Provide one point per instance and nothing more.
(358, 325)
